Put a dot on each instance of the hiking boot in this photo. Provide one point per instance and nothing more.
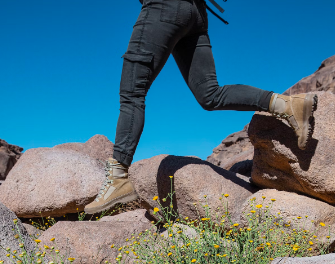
(298, 111)
(117, 188)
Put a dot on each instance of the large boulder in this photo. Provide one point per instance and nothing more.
(55, 181)
(8, 230)
(192, 179)
(322, 80)
(90, 242)
(280, 164)
(9, 154)
(233, 149)
(323, 259)
(291, 206)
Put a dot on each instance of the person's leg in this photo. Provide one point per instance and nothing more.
(195, 60)
(159, 27)
(194, 57)
(155, 34)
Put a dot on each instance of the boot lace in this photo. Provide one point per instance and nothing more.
(280, 115)
(108, 168)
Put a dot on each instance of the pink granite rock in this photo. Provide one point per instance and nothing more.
(9, 154)
(55, 181)
(192, 179)
(280, 164)
(8, 230)
(322, 80)
(291, 206)
(90, 242)
(233, 149)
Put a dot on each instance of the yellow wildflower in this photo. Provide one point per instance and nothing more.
(71, 259)
(259, 206)
(155, 198)
(52, 239)
(226, 195)
(310, 242)
(169, 254)
(322, 224)
(171, 177)
(253, 211)
(156, 209)
(193, 260)
(216, 246)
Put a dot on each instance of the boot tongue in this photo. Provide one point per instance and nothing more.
(280, 106)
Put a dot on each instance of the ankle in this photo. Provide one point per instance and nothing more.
(278, 103)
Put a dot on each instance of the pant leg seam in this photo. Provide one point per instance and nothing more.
(130, 130)
(142, 30)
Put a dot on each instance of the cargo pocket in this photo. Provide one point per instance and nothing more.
(178, 12)
(136, 72)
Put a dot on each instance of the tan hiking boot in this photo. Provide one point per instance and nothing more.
(298, 111)
(117, 188)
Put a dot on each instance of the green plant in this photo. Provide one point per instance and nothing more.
(219, 240)
(37, 256)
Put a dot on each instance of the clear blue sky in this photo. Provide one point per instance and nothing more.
(60, 68)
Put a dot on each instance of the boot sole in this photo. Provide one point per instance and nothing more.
(123, 199)
(310, 106)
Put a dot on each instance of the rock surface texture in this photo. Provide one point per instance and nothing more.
(90, 242)
(192, 179)
(324, 259)
(233, 149)
(7, 232)
(58, 180)
(322, 80)
(9, 154)
(33, 231)
(292, 205)
(280, 164)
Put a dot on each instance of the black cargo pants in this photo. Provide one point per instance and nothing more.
(178, 27)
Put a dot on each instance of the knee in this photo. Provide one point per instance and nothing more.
(130, 98)
(207, 105)
(205, 94)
